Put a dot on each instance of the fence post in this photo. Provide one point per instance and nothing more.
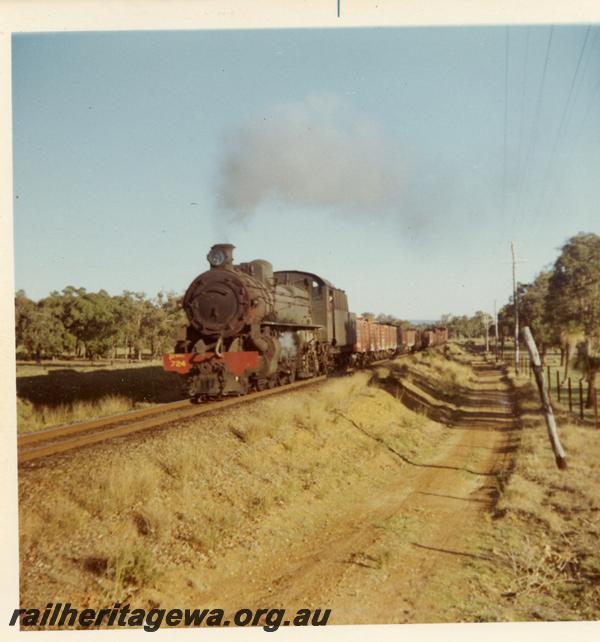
(558, 385)
(559, 454)
(581, 399)
(570, 396)
(549, 381)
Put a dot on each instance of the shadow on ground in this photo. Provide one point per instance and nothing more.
(147, 384)
(469, 409)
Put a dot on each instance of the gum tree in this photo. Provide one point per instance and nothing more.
(573, 301)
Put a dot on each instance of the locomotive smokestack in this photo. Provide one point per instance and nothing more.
(221, 256)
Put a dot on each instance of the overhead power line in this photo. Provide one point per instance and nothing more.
(523, 94)
(538, 110)
(563, 118)
(506, 59)
(592, 101)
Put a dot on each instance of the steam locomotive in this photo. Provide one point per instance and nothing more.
(250, 328)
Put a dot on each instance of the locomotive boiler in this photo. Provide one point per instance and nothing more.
(251, 328)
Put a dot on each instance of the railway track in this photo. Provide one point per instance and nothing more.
(44, 443)
(52, 441)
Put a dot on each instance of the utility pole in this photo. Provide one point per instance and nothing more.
(495, 329)
(516, 304)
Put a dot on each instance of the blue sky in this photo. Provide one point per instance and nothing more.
(375, 157)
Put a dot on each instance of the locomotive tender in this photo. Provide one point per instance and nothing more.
(252, 328)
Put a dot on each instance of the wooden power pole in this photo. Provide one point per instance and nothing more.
(515, 302)
(495, 329)
(486, 320)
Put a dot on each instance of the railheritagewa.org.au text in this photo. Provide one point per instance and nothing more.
(63, 616)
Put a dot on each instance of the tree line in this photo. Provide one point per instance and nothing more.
(388, 319)
(466, 327)
(561, 306)
(91, 325)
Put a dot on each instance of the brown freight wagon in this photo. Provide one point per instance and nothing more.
(427, 338)
(391, 337)
(363, 335)
(433, 337)
(407, 339)
(387, 342)
(375, 336)
(421, 340)
(385, 338)
(374, 339)
(441, 336)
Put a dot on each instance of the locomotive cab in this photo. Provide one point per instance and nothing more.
(329, 305)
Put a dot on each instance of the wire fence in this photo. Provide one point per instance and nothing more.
(570, 393)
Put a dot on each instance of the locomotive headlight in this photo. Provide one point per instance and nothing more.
(216, 257)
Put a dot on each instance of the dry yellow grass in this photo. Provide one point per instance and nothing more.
(32, 417)
(194, 490)
(53, 396)
(542, 541)
(140, 519)
(447, 370)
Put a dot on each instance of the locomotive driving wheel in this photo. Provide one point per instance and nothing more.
(260, 383)
(244, 386)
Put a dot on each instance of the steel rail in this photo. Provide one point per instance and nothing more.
(66, 437)
(65, 430)
(88, 433)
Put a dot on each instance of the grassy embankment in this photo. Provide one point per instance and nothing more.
(52, 395)
(542, 538)
(158, 515)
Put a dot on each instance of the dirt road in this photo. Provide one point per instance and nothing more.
(396, 553)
